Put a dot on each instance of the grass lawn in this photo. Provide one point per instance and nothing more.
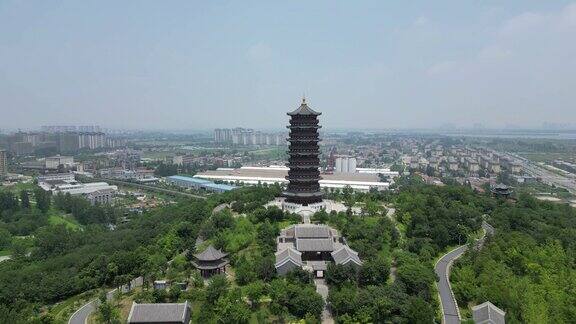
(4, 252)
(274, 152)
(16, 188)
(56, 217)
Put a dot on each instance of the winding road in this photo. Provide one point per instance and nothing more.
(81, 315)
(450, 311)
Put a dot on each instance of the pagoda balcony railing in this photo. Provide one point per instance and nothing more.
(305, 153)
(304, 173)
(307, 163)
(303, 139)
(303, 189)
(304, 150)
(301, 179)
(304, 126)
(303, 122)
(303, 165)
(296, 146)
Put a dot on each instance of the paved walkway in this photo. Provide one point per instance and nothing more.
(322, 289)
(450, 310)
(82, 314)
(221, 207)
(4, 258)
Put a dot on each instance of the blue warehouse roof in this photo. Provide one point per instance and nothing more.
(219, 186)
(202, 183)
(190, 179)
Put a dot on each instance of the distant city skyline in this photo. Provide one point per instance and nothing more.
(370, 65)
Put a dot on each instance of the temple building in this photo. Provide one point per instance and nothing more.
(312, 247)
(304, 174)
(210, 262)
(488, 313)
(501, 191)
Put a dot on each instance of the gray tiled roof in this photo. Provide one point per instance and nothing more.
(488, 313)
(288, 254)
(311, 231)
(210, 254)
(159, 313)
(304, 110)
(345, 255)
(315, 244)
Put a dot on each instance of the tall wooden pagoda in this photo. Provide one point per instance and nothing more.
(304, 162)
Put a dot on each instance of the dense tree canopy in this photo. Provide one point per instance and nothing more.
(528, 268)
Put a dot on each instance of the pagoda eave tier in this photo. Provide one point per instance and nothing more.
(303, 126)
(293, 166)
(307, 139)
(303, 179)
(301, 153)
(316, 194)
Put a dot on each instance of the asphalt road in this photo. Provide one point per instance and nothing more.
(81, 315)
(566, 181)
(450, 311)
(449, 307)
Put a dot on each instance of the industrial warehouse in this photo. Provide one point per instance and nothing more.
(363, 181)
(198, 184)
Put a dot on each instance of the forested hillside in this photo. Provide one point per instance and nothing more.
(528, 268)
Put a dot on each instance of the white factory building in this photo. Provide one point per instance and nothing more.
(95, 192)
(277, 174)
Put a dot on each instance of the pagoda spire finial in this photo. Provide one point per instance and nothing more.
(303, 98)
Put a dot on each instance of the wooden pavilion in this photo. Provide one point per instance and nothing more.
(210, 262)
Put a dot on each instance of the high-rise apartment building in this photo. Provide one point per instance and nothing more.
(3, 163)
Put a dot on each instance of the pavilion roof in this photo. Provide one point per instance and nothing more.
(210, 254)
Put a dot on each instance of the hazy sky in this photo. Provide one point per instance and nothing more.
(203, 64)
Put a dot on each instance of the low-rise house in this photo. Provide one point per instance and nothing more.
(346, 255)
(487, 313)
(312, 247)
(288, 260)
(160, 313)
(161, 284)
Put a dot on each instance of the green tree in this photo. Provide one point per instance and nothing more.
(43, 200)
(245, 273)
(419, 311)
(217, 287)
(255, 291)
(338, 274)
(5, 239)
(24, 199)
(231, 309)
(7, 201)
(18, 248)
(373, 272)
(107, 312)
